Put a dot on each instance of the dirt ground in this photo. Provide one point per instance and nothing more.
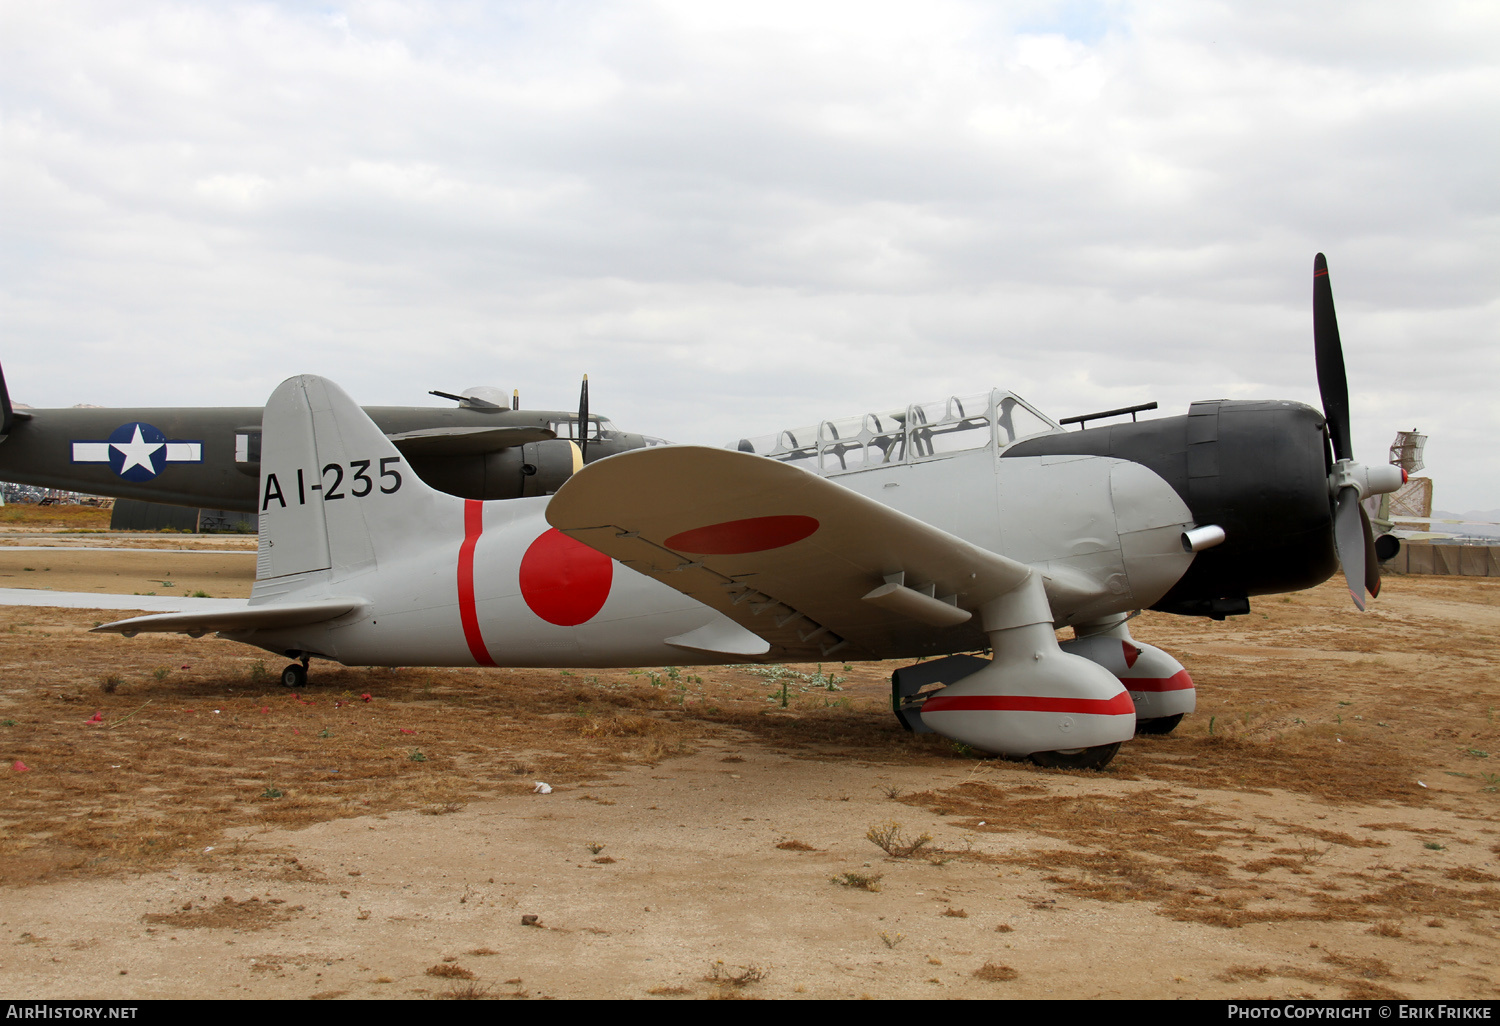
(206, 574)
(1325, 825)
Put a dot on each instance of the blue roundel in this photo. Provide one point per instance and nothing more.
(137, 452)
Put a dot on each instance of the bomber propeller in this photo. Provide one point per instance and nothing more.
(583, 420)
(1350, 481)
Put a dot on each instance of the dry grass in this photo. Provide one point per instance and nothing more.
(31, 517)
(177, 759)
(739, 976)
(449, 971)
(1354, 975)
(889, 838)
(990, 972)
(250, 914)
(174, 762)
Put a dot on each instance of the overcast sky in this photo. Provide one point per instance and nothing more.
(739, 217)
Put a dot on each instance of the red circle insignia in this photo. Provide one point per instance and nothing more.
(734, 537)
(564, 581)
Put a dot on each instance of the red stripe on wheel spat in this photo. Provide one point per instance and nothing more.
(1120, 705)
(1179, 681)
(467, 615)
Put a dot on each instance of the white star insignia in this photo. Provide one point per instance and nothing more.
(137, 452)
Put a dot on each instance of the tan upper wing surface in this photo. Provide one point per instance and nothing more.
(815, 569)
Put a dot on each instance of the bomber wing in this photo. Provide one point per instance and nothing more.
(466, 441)
(815, 569)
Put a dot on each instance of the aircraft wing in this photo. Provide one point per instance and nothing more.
(815, 569)
(238, 618)
(472, 441)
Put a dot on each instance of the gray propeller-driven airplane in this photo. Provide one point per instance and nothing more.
(972, 524)
(485, 448)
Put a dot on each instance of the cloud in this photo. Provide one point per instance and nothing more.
(739, 216)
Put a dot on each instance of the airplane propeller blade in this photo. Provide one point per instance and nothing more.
(1353, 537)
(1333, 383)
(1349, 536)
(1372, 561)
(583, 420)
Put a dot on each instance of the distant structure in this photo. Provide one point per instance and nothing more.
(1404, 510)
(1407, 513)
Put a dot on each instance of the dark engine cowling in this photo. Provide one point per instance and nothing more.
(1257, 469)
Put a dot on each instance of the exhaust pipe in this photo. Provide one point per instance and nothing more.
(1200, 538)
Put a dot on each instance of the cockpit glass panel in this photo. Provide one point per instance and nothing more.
(1015, 420)
(960, 424)
(839, 430)
(918, 432)
(599, 427)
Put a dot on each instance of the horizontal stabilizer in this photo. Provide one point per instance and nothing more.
(270, 616)
(473, 441)
(787, 555)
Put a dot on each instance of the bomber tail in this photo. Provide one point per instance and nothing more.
(336, 497)
(8, 413)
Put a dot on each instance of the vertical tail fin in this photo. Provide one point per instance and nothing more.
(335, 494)
(7, 414)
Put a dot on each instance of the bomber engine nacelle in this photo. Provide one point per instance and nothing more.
(536, 468)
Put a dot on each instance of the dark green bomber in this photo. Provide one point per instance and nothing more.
(210, 456)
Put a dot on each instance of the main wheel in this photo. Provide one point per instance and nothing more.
(294, 676)
(1159, 725)
(1097, 757)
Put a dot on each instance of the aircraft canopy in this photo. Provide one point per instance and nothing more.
(911, 434)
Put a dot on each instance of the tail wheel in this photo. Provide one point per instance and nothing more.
(1097, 757)
(1159, 725)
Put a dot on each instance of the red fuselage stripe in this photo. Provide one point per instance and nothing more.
(1120, 705)
(1179, 681)
(467, 615)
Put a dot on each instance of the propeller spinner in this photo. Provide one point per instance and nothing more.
(1349, 481)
